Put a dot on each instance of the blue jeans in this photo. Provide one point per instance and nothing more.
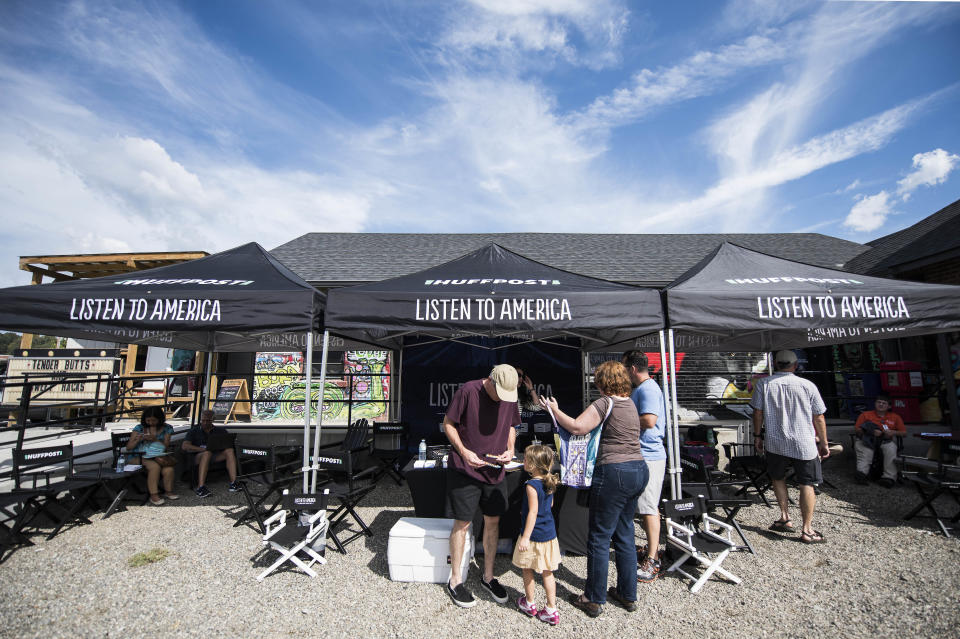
(613, 500)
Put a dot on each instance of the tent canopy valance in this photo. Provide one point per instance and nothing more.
(737, 299)
(493, 292)
(242, 299)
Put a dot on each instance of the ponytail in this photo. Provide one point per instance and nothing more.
(540, 458)
(550, 481)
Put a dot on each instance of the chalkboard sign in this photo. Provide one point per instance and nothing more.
(231, 392)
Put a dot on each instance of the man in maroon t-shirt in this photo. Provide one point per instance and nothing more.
(480, 424)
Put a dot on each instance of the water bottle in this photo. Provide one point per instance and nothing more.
(120, 463)
(422, 453)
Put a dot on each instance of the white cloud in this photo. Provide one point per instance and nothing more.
(853, 185)
(930, 168)
(728, 198)
(67, 187)
(516, 29)
(870, 213)
(698, 75)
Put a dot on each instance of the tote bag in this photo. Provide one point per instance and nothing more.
(578, 453)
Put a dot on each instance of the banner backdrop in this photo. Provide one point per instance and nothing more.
(432, 373)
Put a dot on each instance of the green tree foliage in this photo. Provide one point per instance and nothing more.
(10, 342)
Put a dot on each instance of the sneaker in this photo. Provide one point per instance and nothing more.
(860, 478)
(461, 596)
(648, 571)
(498, 592)
(526, 607)
(158, 501)
(233, 486)
(171, 496)
(886, 482)
(203, 491)
(552, 618)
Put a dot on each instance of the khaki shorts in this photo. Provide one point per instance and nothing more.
(649, 501)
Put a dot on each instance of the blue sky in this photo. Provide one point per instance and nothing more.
(203, 125)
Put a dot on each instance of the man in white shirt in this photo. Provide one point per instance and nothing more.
(795, 436)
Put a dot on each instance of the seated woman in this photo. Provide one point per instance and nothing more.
(619, 477)
(151, 440)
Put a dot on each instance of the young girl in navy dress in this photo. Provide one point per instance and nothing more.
(537, 549)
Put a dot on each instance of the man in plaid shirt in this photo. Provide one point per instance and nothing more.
(795, 436)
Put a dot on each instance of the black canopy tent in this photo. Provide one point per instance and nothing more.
(242, 299)
(492, 292)
(737, 299)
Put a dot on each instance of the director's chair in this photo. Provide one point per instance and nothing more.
(263, 465)
(54, 465)
(290, 536)
(349, 487)
(692, 531)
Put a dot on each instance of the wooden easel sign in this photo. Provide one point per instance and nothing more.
(232, 392)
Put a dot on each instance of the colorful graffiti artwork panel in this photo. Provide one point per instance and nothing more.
(279, 388)
(370, 376)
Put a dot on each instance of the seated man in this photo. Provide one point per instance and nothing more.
(876, 429)
(196, 442)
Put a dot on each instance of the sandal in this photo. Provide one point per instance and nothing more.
(812, 538)
(783, 525)
(592, 609)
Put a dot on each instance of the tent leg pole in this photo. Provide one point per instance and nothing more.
(206, 382)
(677, 486)
(306, 407)
(323, 381)
(667, 416)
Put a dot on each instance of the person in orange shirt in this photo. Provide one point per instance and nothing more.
(876, 429)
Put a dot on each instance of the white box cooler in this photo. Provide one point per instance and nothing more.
(419, 550)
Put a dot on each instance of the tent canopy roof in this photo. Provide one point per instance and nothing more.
(494, 292)
(242, 299)
(742, 300)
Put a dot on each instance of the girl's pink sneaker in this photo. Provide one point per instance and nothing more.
(526, 606)
(552, 618)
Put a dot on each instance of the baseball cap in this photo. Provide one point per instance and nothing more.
(504, 376)
(785, 357)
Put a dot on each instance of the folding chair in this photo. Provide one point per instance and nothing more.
(117, 485)
(191, 469)
(355, 440)
(349, 488)
(747, 465)
(944, 481)
(692, 531)
(876, 466)
(286, 534)
(702, 479)
(263, 466)
(49, 463)
(388, 446)
(16, 509)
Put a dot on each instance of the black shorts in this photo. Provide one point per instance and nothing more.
(807, 472)
(465, 493)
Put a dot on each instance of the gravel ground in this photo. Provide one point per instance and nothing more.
(875, 576)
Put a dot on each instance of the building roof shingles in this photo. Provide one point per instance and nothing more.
(642, 259)
(934, 235)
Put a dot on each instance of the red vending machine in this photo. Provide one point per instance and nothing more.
(904, 382)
